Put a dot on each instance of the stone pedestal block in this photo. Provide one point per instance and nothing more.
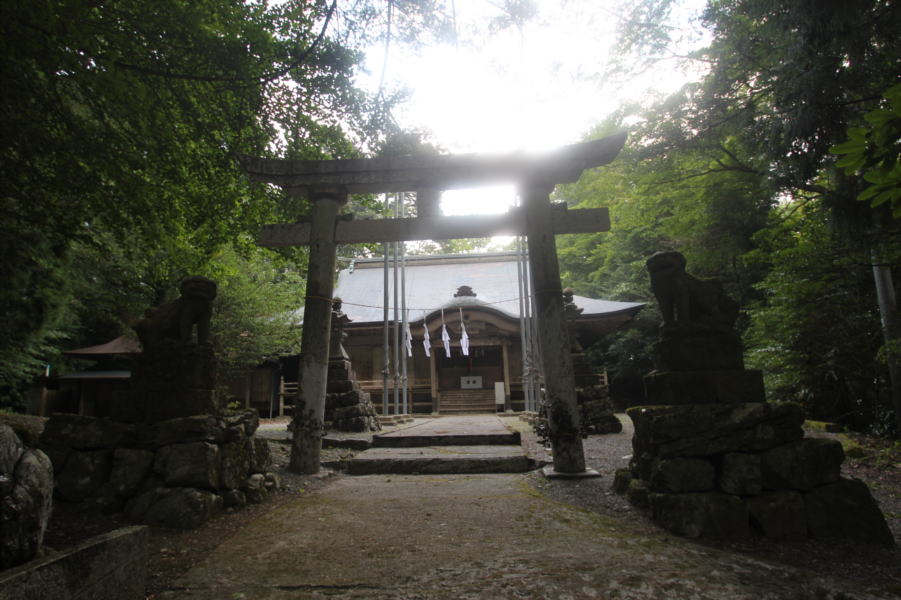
(596, 412)
(349, 412)
(682, 475)
(181, 403)
(341, 386)
(708, 429)
(708, 515)
(176, 379)
(348, 399)
(779, 515)
(698, 349)
(339, 369)
(704, 387)
(740, 474)
(846, 510)
(174, 364)
(802, 465)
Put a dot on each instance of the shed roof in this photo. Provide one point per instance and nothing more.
(120, 345)
(431, 282)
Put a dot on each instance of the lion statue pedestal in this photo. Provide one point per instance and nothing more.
(710, 457)
(172, 457)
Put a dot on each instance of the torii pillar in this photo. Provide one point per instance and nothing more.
(306, 443)
(559, 379)
(327, 183)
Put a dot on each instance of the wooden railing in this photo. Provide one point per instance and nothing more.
(287, 395)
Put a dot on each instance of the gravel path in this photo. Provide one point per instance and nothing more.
(613, 548)
(867, 567)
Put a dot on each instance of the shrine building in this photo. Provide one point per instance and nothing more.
(483, 288)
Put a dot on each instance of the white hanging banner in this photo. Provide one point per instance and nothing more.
(408, 339)
(464, 338)
(445, 336)
(426, 342)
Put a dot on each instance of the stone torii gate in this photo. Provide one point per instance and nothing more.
(327, 184)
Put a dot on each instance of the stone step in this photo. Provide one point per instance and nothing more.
(479, 405)
(468, 395)
(440, 460)
(394, 419)
(467, 399)
(467, 402)
(449, 431)
(451, 439)
(468, 411)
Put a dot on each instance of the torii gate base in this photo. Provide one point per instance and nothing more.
(327, 184)
(550, 473)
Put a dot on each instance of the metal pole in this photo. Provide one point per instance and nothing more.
(522, 321)
(385, 364)
(396, 320)
(534, 347)
(403, 308)
(530, 361)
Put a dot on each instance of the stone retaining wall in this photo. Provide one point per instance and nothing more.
(112, 566)
(174, 473)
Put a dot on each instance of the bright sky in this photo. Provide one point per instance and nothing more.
(504, 92)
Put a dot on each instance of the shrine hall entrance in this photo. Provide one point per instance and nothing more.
(466, 384)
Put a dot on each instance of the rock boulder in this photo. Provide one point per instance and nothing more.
(846, 510)
(26, 496)
(709, 515)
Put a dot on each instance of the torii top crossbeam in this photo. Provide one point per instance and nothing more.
(411, 173)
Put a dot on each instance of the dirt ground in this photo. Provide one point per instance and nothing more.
(878, 463)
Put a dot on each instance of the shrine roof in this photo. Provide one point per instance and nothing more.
(432, 281)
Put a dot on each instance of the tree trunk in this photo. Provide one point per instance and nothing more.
(891, 330)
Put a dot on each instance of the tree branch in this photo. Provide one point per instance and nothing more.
(266, 78)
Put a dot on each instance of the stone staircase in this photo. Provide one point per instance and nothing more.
(458, 444)
(461, 402)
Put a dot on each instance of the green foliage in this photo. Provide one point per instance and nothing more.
(784, 83)
(874, 152)
(121, 125)
(460, 246)
(815, 330)
(34, 307)
(254, 314)
(795, 75)
(692, 202)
